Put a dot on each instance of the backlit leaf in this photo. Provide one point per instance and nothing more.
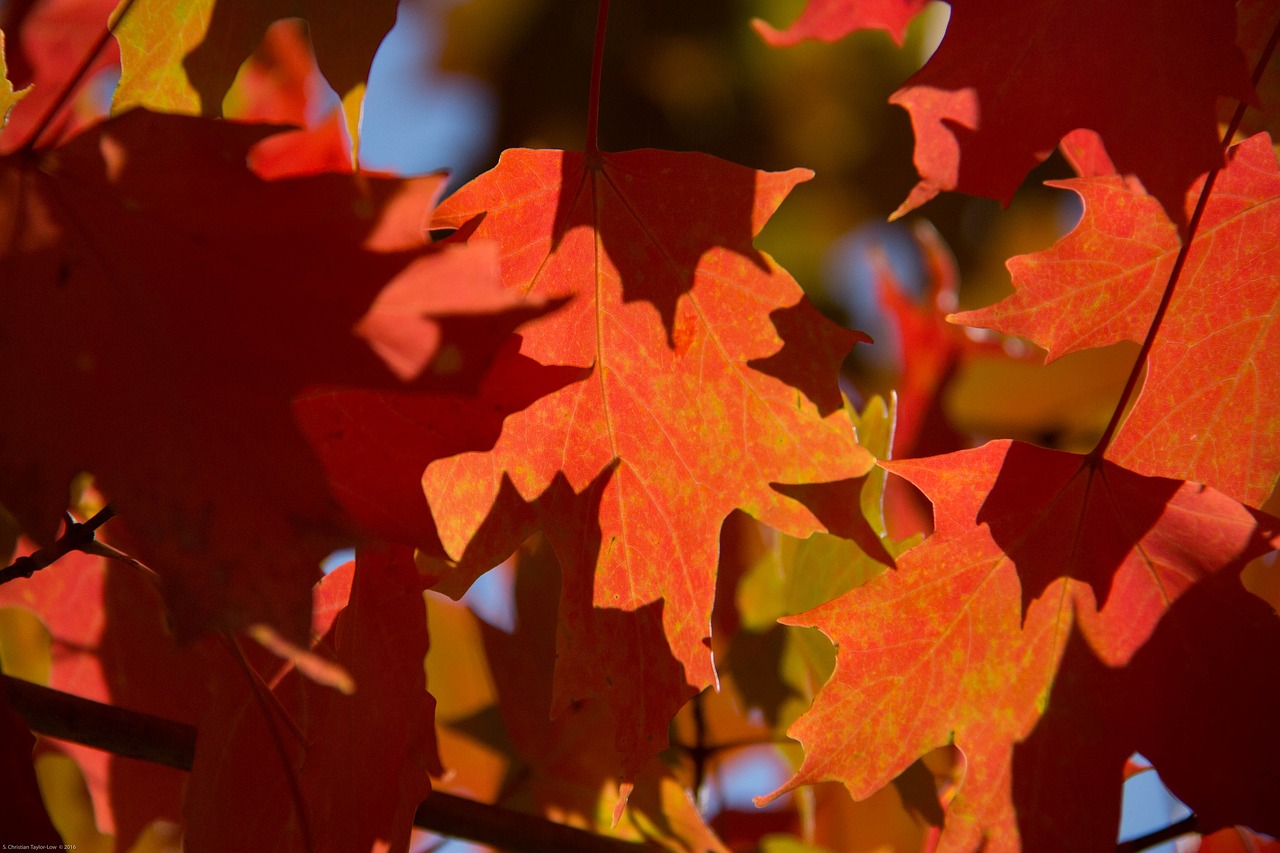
(1206, 412)
(711, 379)
(963, 642)
(978, 105)
(165, 310)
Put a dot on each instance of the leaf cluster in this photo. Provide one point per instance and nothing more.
(633, 530)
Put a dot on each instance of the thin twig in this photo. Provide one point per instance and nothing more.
(78, 536)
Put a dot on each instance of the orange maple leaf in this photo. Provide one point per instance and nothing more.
(711, 378)
(1206, 412)
(965, 641)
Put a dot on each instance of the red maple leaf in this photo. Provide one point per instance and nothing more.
(701, 394)
(1205, 412)
(1197, 700)
(1237, 839)
(930, 352)
(830, 20)
(557, 763)
(185, 58)
(166, 307)
(47, 42)
(359, 762)
(374, 445)
(1145, 80)
(282, 84)
(965, 640)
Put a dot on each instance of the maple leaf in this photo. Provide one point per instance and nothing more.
(1190, 701)
(964, 641)
(183, 58)
(374, 445)
(8, 97)
(775, 670)
(174, 306)
(1256, 21)
(360, 762)
(830, 20)
(1204, 413)
(281, 83)
(685, 329)
(51, 39)
(930, 352)
(978, 105)
(554, 760)
(1237, 840)
(110, 643)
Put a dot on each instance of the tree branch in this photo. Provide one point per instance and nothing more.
(160, 741)
(78, 536)
(106, 727)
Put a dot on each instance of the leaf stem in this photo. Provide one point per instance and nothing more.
(77, 77)
(1179, 262)
(597, 64)
(172, 744)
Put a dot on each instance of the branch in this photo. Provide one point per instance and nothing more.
(510, 830)
(79, 536)
(106, 727)
(160, 741)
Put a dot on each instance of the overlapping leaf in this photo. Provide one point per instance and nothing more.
(1256, 23)
(109, 642)
(686, 330)
(1197, 700)
(830, 20)
(778, 671)
(164, 310)
(1143, 79)
(359, 762)
(182, 57)
(1206, 412)
(963, 642)
(282, 84)
(1237, 840)
(8, 97)
(558, 767)
(47, 42)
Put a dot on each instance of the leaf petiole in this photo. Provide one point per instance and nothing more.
(597, 63)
